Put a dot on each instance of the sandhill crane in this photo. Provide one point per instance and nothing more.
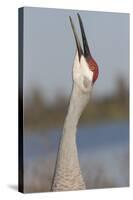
(67, 174)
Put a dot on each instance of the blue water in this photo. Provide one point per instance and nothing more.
(89, 138)
(103, 154)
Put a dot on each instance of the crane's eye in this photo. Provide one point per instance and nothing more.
(92, 67)
(92, 64)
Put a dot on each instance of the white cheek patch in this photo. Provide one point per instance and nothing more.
(86, 82)
(82, 75)
(85, 69)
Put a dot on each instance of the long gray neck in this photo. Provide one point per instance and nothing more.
(68, 174)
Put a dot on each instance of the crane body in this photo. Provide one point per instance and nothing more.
(68, 174)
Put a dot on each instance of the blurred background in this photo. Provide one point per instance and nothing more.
(103, 131)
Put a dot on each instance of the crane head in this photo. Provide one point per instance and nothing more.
(85, 68)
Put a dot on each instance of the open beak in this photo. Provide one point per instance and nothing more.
(86, 51)
(79, 48)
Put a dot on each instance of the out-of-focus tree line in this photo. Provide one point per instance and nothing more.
(39, 114)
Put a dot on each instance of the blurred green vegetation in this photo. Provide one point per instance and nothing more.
(39, 114)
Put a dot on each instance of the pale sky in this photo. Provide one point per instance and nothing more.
(49, 49)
